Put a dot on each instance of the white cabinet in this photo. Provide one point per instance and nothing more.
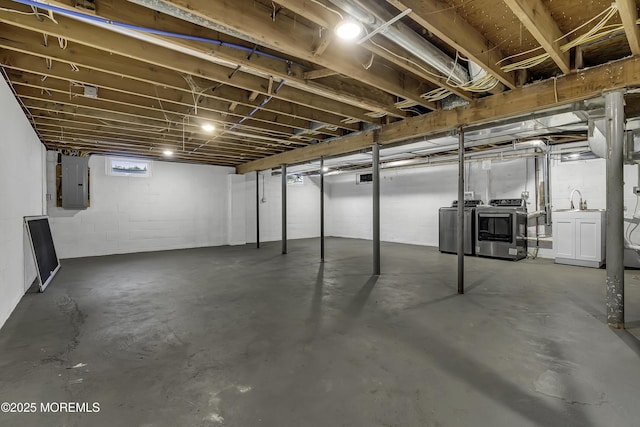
(578, 237)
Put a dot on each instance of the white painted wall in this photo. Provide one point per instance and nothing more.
(410, 198)
(179, 206)
(303, 208)
(237, 210)
(21, 194)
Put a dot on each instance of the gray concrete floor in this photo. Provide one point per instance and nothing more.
(236, 336)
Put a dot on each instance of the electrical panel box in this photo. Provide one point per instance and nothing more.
(75, 182)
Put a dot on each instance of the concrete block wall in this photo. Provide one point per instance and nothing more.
(21, 194)
(179, 206)
(410, 198)
(237, 210)
(303, 207)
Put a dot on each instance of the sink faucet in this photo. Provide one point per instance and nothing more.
(571, 198)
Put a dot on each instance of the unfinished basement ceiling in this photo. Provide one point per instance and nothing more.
(139, 77)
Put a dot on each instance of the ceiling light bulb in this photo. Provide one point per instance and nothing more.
(348, 29)
(208, 127)
(325, 169)
(167, 152)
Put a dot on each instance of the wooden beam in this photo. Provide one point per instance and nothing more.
(564, 90)
(125, 11)
(328, 19)
(292, 38)
(145, 152)
(229, 149)
(447, 25)
(323, 44)
(537, 19)
(113, 45)
(628, 12)
(408, 62)
(124, 102)
(318, 74)
(168, 86)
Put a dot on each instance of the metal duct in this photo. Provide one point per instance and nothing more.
(596, 139)
(407, 39)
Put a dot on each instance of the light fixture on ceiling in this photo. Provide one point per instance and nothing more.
(325, 169)
(168, 153)
(348, 29)
(207, 127)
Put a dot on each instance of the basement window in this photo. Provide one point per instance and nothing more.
(120, 166)
(364, 178)
(295, 179)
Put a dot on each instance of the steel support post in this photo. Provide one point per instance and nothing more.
(284, 209)
(257, 210)
(322, 209)
(376, 207)
(614, 110)
(461, 210)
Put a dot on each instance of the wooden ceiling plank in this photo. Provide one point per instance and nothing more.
(447, 25)
(69, 121)
(167, 89)
(77, 123)
(230, 149)
(170, 100)
(292, 38)
(119, 10)
(122, 102)
(538, 21)
(117, 149)
(328, 19)
(42, 105)
(318, 74)
(628, 12)
(564, 90)
(225, 149)
(66, 108)
(145, 53)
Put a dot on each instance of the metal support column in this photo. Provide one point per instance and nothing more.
(284, 209)
(614, 110)
(461, 210)
(257, 210)
(376, 207)
(547, 187)
(322, 209)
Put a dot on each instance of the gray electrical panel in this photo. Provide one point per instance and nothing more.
(75, 182)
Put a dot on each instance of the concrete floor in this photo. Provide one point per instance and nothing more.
(236, 336)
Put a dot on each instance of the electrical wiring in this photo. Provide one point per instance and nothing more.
(635, 211)
(375, 114)
(593, 31)
(147, 30)
(482, 84)
(436, 94)
(613, 7)
(349, 121)
(328, 8)
(597, 32)
(527, 63)
(34, 13)
(405, 104)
